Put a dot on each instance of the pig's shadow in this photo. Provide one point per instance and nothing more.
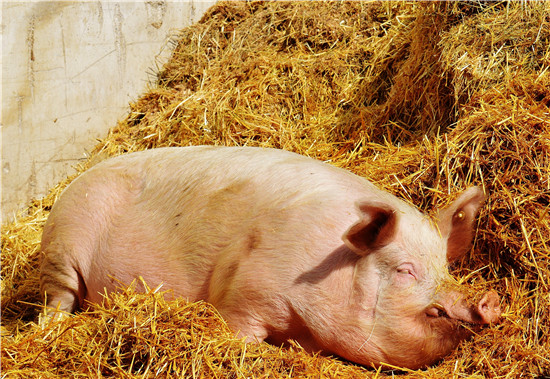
(337, 259)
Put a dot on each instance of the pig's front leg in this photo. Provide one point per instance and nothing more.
(246, 326)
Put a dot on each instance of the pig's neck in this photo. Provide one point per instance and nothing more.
(337, 306)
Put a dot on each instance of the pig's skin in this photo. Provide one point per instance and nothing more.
(284, 246)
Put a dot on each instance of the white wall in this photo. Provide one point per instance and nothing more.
(69, 70)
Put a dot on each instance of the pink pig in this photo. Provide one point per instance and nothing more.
(285, 247)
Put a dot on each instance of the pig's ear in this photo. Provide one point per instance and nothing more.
(376, 227)
(456, 222)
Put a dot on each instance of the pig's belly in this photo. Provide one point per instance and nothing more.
(136, 254)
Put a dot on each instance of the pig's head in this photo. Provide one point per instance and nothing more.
(410, 310)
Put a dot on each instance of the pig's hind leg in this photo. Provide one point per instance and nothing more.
(76, 228)
(61, 285)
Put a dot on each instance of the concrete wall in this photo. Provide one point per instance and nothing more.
(69, 70)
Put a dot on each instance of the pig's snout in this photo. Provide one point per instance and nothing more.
(455, 306)
(489, 308)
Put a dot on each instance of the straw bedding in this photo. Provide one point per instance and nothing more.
(425, 99)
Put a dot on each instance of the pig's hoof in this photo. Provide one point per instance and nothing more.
(50, 316)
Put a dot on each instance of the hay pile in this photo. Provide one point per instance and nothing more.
(425, 99)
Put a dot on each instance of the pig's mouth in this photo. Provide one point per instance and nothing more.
(460, 328)
(437, 310)
(437, 313)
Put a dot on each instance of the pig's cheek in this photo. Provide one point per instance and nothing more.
(404, 279)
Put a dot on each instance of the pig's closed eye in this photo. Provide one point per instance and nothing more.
(406, 270)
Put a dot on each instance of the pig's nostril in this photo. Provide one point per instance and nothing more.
(489, 307)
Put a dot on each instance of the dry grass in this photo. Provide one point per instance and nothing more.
(424, 99)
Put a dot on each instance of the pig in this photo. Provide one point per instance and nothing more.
(284, 246)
